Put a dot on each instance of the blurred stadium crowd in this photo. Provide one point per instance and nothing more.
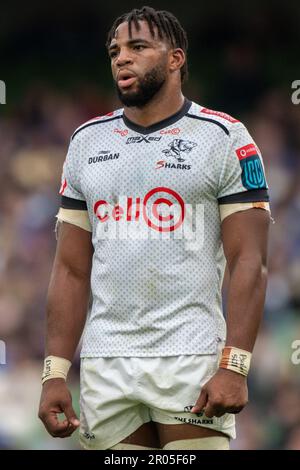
(34, 138)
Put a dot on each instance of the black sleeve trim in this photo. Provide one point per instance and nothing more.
(254, 195)
(93, 124)
(69, 203)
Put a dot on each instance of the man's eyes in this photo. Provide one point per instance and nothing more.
(135, 47)
(139, 47)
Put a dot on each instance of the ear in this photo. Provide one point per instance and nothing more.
(177, 59)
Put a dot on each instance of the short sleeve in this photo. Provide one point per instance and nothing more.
(70, 190)
(242, 177)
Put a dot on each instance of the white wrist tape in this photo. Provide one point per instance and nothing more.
(236, 359)
(55, 367)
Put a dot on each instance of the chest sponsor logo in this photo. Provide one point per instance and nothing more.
(161, 213)
(253, 176)
(103, 156)
(177, 147)
(143, 138)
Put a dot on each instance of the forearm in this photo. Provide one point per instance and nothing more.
(246, 296)
(67, 306)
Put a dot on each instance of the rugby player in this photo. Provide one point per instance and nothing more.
(160, 366)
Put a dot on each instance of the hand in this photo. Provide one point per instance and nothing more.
(225, 392)
(56, 399)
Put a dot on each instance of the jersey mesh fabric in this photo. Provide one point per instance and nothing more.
(155, 297)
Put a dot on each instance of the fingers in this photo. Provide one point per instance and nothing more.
(60, 428)
(235, 410)
(55, 427)
(201, 402)
(71, 415)
(218, 409)
(214, 405)
(69, 430)
(56, 399)
(223, 393)
(214, 409)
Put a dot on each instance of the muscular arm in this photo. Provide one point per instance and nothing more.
(67, 305)
(69, 290)
(244, 236)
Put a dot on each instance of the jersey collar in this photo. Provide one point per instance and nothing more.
(161, 124)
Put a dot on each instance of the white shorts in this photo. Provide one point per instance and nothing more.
(118, 395)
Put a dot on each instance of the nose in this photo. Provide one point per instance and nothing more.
(124, 58)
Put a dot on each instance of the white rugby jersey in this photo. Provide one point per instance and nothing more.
(152, 196)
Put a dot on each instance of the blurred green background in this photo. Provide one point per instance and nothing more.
(243, 58)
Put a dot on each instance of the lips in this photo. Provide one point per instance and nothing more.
(126, 78)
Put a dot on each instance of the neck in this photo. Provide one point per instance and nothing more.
(160, 107)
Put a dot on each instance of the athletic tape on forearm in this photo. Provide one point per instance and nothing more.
(236, 359)
(55, 367)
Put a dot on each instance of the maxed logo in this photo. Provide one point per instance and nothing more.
(142, 138)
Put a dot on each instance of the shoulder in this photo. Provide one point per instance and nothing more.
(90, 126)
(214, 119)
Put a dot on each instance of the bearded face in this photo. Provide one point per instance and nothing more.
(144, 88)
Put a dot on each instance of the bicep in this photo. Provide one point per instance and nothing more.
(74, 250)
(245, 235)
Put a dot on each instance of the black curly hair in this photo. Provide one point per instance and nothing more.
(167, 25)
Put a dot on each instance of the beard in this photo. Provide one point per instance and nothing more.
(147, 87)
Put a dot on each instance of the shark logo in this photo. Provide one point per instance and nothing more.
(177, 146)
(188, 409)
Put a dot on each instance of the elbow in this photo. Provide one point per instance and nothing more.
(254, 266)
(71, 271)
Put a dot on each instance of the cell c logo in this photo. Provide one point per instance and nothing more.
(162, 209)
(160, 214)
(104, 217)
(173, 199)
